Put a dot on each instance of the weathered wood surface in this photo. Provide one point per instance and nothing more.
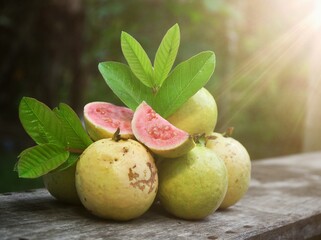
(283, 202)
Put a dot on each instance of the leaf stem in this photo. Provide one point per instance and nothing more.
(74, 150)
(155, 90)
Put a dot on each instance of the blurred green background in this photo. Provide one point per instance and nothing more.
(266, 82)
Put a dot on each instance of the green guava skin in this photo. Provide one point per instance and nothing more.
(96, 132)
(197, 115)
(61, 185)
(193, 186)
(238, 164)
(116, 180)
(178, 151)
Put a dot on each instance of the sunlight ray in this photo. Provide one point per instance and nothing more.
(264, 56)
(251, 93)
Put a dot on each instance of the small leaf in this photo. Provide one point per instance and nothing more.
(40, 122)
(124, 84)
(41, 159)
(72, 159)
(137, 59)
(75, 133)
(166, 54)
(184, 81)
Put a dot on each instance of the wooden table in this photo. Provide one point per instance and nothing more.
(283, 202)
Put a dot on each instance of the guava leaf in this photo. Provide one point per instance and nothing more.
(75, 133)
(137, 59)
(183, 82)
(166, 54)
(125, 85)
(41, 159)
(72, 159)
(40, 122)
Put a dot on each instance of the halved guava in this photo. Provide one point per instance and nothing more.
(102, 119)
(160, 136)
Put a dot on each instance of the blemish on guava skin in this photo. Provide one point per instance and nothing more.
(142, 183)
(125, 150)
(116, 159)
(132, 175)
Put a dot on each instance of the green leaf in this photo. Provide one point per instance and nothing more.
(184, 81)
(166, 54)
(41, 159)
(124, 84)
(40, 122)
(75, 133)
(72, 159)
(137, 59)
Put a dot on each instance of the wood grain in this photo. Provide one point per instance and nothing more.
(283, 202)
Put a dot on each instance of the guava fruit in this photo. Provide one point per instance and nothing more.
(158, 134)
(197, 115)
(102, 120)
(61, 185)
(238, 164)
(194, 185)
(116, 180)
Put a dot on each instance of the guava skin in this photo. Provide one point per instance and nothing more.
(197, 115)
(238, 164)
(61, 185)
(193, 186)
(116, 180)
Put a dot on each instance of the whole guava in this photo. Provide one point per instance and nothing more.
(61, 185)
(238, 164)
(116, 179)
(160, 136)
(102, 119)
(194, 185)
(197, 115)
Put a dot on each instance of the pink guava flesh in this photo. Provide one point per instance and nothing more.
(154, 131)
(109, 116)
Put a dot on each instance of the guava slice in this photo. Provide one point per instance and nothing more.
(102, 119)
(160, 136)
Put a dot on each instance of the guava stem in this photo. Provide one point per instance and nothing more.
(199, 138)
(74, 150)
(116, 136)
(228, 132)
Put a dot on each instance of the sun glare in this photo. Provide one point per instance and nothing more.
(303, 38)
(317, 15)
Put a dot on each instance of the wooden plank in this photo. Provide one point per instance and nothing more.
(283, 202)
